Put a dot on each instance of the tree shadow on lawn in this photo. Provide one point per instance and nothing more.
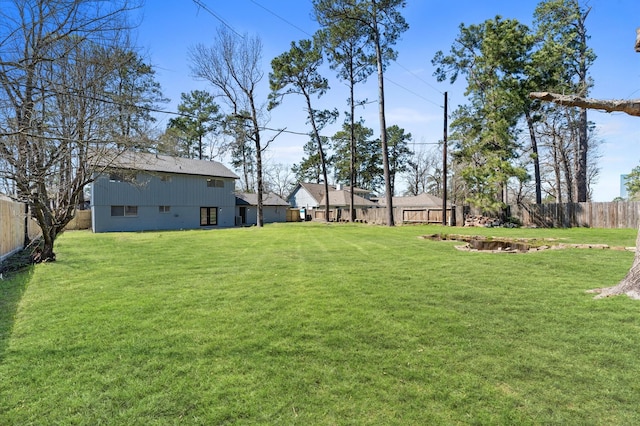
(12, 287)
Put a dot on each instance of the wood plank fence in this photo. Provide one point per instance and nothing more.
(621, 214)
(81, 220)
(378, 216)
(617, 214)
(12, 227)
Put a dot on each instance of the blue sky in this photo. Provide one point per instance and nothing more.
(413, 97)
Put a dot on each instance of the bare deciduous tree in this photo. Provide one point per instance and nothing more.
(279, 179)
(233, 66)
(423, 174)
(58, 110)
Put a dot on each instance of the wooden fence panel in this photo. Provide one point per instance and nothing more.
(378, 215)
(11, 227)
(12, 223)
(620, 214)
(81, 220)
(595, 215)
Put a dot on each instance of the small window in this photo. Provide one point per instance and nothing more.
(208, 216)
(122, 176)
(165, 178)
(130, 211)
(117, 210)
(215, 183)
(116, 177)
(164, 209)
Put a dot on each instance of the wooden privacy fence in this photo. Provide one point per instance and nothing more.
(617, 214)
(622, 214)
(12, 227)
(81, 220)
(378, 216)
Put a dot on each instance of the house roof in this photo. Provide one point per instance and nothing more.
(164, 163)
(421, 200)
(251, 199)
(342, 198)
(316, 190)
(337, 197)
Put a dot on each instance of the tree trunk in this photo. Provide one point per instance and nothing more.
(352, 149)
(259, 180)
(556, 171)
(631, 107)
(535, 156)
(383, 128)
(583, 146)
(630, 284)
(47, 254)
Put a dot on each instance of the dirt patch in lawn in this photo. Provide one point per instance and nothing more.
(480, 243)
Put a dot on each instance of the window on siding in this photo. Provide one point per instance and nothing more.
(116, 177)
(215, 183)
(164, 209)
(130, 211)
(122, 176)
(165, 178)
(208, 216)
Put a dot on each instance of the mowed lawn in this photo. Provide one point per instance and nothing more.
(319, 324)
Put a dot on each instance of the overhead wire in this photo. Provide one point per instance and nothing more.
(386, 78)
(266, 9)
(204, 7)
(281, 18)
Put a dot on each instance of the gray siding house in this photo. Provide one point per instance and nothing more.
(274, 208)
(144, 192)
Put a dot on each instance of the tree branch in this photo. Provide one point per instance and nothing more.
(631, 107)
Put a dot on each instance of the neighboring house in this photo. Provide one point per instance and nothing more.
(423, 200)
(311, 196)
(142, 192)
(274, 208)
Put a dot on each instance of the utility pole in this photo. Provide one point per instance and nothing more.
(444, 166)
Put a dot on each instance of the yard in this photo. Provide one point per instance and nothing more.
(319, 324)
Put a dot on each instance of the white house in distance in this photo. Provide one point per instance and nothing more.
(143, 192)
(310, 196)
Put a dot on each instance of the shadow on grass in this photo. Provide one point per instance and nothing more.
(11, 290)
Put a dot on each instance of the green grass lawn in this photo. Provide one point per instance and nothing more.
(316, 324)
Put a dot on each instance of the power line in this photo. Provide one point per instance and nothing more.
(413, 93)
(419, 78)
(80, 95)
(281, 18)
(400, 65)
(291, 132)
(204, 7)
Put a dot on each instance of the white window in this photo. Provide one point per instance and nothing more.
(164, 209)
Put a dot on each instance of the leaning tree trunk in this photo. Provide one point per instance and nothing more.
(631, 107)
(630, 284)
